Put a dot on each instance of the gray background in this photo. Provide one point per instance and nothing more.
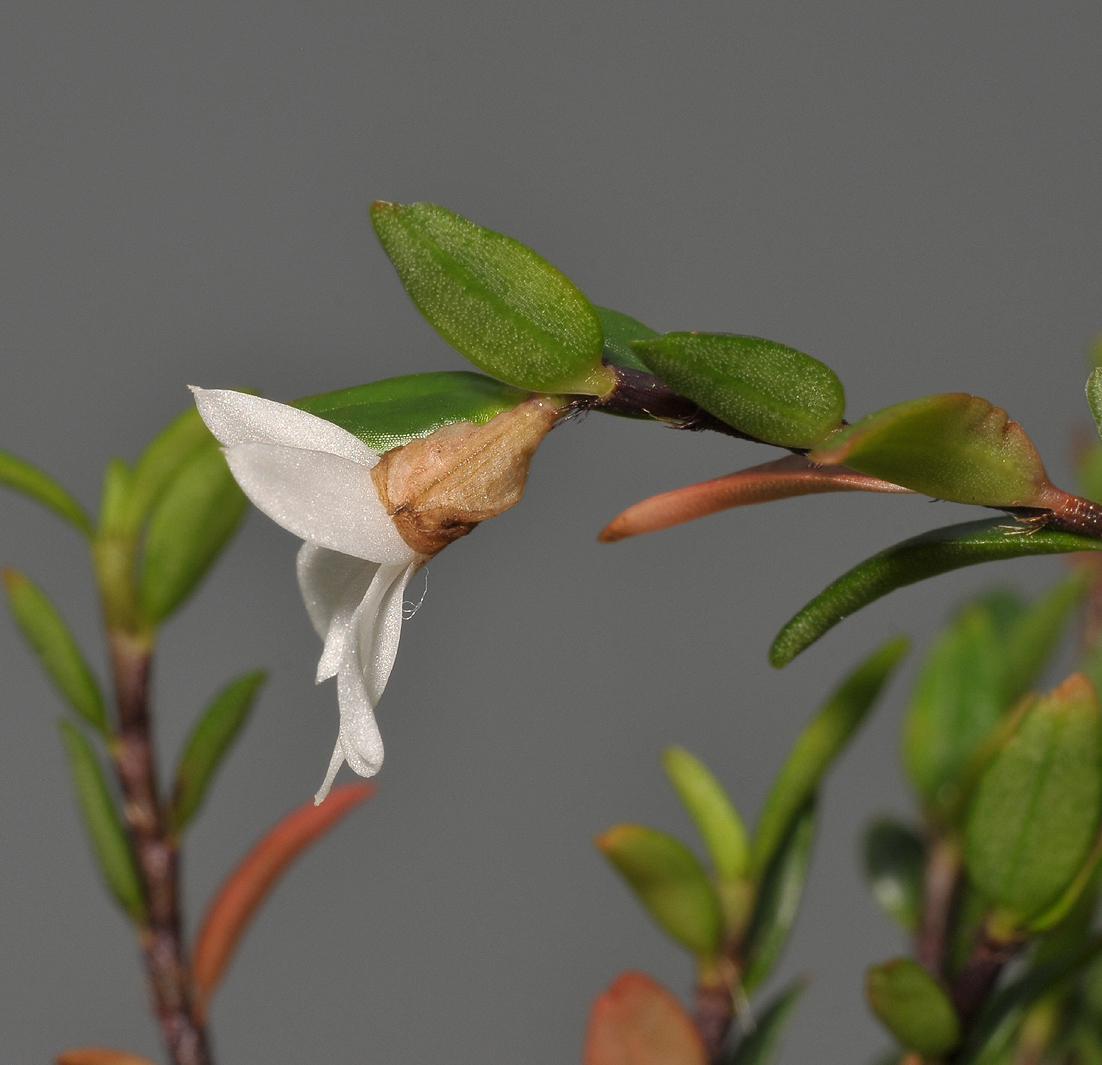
(910, 192)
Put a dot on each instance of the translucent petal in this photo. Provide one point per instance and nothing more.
(335, 762)
(359, 736)
(378, 638)
(238, 418)
(328, 500)
(333, 586)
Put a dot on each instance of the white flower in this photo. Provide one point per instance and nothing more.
(359, 514)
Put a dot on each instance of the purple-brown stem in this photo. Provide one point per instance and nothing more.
(939, 887)
(714, 1012)
(988, 958)
(155, 852)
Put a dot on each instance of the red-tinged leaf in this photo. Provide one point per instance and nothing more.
(793, 475)
(100, 1056)
(638, 1022)
(248, 885)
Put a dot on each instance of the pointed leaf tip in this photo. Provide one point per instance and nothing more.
(42, 488)
(636, 1021)
(248, 885)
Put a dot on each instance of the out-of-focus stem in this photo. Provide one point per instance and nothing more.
(939, 888)
(988, 958)
(715, 1009)
(155, 852)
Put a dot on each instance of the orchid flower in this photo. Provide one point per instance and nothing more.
(369, 523)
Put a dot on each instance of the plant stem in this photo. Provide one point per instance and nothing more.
(988, 958)
(155, 852)
(715, 1009)
(939, 888)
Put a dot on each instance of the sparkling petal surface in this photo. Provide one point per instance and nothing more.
(238, 418)
(328, 500)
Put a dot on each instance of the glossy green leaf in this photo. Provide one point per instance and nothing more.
(761, 388)
(991, 1032)
(952, 446)
(759, 1047)
(894, 855)
(198, 513)
(389, 413)
(620, 330)
(670, 882)
(821, 741)
(109, 840)
(1094, 396)
(167, 454)
(1036, 808)
(494, 300)
(31, 481)
(913, 1007)
(718, 822)
(778, 900)
(209, 741)
(1033, 635)
(58, 652)
(957, 701)
(917, 559)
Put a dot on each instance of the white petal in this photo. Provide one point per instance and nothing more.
(335, 763)
(238, 418)
(378, 634)
(359, 736)
(333, 586)
(323, 498)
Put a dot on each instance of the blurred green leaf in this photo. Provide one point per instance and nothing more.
(494, 300)
(167, 454)
(31, 481)
(1094, 396)
(991, 1032)
(894, 856)
(109, 840)
(1034, 633)
(198, 513)
(58, 652)
(778, 900)
(209, 741)
(718, 822)
(1036, 808)
(1005, 605)
(761, 388)
(952, 446)
(759, 1047)
(1086, 1045)
(389, 413)
(957, 701)
(917, 559)
(1068, 901)
(668, 879)
(913, 1007)
(115, 498)
(620, 330)
(821, 741)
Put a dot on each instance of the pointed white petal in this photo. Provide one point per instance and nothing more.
(378, 635)
(238, 418)
(359, 736)
(330, 774)
(323, 498)
(333, 586)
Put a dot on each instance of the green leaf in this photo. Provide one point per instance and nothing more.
(760, 1046)
(386, 414)
(1081, 894)
(209, 741)
(31, 481)
(620, 330)
(115, 498)
(109, 840)
(1005, 606)
(761, 388)
(668, 879)
(823, 739)
(917, 559)
(718, 822)
(1036, 808)
(894, 855)
(913, 1007)
(952, 446)
(1094, 396)
(779, 898)
(167, 454)
(1034, 633)
(495, 301)
(957, 701)
(197, 515)
(991, 1032)
(58, 652)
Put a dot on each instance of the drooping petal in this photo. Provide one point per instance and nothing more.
(238, 418)
(378, 640)
(323, 498)
(333, 586)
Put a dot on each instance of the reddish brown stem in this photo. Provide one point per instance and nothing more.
(988, 958)
(155, 852)
(713, 1015)
(939, 888)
